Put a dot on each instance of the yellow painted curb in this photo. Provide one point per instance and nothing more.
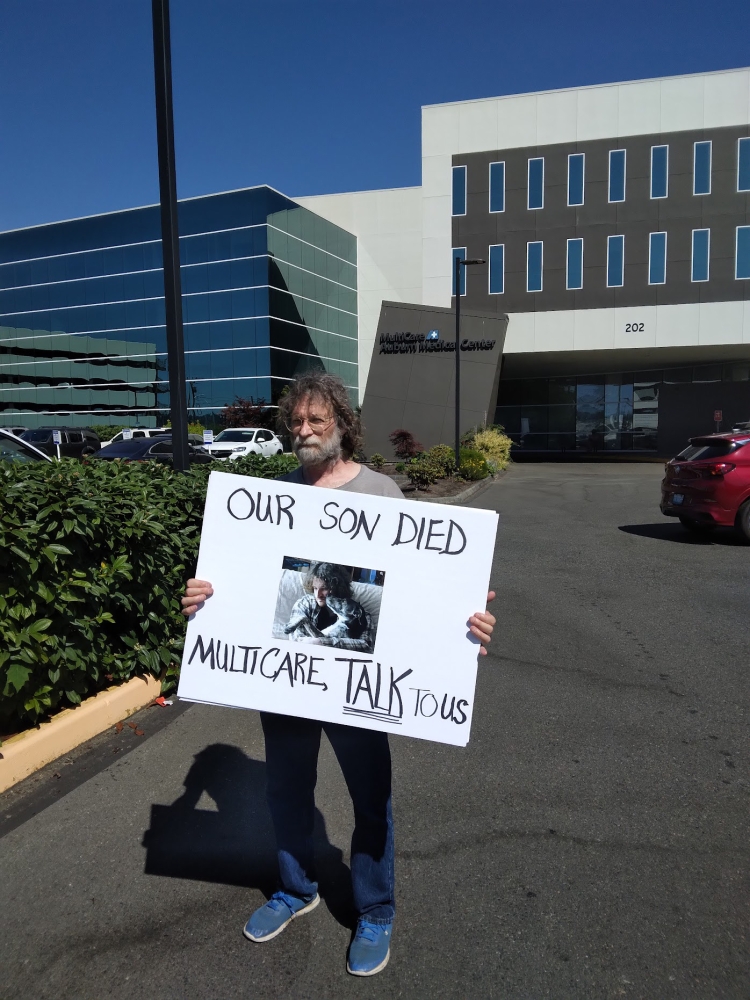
(27, 752)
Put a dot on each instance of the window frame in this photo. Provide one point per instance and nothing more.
(650, 249)
(709, 143)
(582, 156)
(454, 168)
(737, 276)
(568, 286)
(495, 246)
(495, 211)
(462, 272)
(529, 244)
(536, 208)
(746, 140)
(659, 197)
(621, 237)
(610, 199)
(693, 279)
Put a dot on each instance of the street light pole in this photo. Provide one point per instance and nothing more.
(457, 277)
(170, 233)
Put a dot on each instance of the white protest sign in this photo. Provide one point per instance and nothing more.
(379, 639)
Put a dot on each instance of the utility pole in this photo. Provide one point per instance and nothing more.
(170, 234)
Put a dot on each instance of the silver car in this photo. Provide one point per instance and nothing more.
(236, 442)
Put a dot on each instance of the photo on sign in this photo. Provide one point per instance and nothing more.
(328, 604)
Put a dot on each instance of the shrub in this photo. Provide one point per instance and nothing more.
(473, 465)
(444, 457)
(93, 558)
(495, 445)
(400, 467)
(256, 465)
(377, 460)
(423, 472)
(404, 444)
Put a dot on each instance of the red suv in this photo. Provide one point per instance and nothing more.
(708, 484)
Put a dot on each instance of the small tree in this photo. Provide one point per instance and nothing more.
(248, 413)
(404, 444)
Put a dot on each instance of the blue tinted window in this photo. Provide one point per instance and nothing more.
(700, 256)
(497, 269)
(534, 261)
(459, 191)
(702, 168)
(574, 267)
(742, 267)
(659, 171)
(617, 175)
(536, 182)
(459, 253)
(576, 166)
(615, 261)
(497, 187)
(657, 258)
(743, 164)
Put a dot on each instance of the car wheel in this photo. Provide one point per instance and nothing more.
(698, 527)
(742, 521)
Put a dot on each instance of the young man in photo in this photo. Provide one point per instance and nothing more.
(325, 435)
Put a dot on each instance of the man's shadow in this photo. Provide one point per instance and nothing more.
(235, 845)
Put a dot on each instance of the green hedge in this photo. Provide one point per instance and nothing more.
(93, 557)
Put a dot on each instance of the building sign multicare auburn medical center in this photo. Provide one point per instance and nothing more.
(411, 382)
(427, 343)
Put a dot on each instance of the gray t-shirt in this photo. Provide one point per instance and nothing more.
(366, 481)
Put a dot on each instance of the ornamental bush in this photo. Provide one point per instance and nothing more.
(473, 465)
(405, 445)
(444, 457)
(377, 461)
(495, 445)
(423, 472)
(93, 558)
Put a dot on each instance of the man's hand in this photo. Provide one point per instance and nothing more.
(196, 592)
(481, 625)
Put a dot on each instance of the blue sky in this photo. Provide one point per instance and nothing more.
(310, 97)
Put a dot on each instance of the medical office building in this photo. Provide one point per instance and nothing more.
(615, 225)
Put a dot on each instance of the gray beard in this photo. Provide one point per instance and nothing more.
(318, 453)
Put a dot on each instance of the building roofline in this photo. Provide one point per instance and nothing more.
(138, 208)
(336, 194)
(588, 86)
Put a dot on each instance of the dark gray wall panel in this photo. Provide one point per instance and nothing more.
(416, 390)
(678, 214)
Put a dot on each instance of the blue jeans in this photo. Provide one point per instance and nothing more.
(292, 747)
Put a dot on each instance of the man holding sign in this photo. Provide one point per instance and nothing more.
(325, 436)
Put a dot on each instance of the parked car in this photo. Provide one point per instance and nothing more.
(152, 449)
(18, 431)
(13, 449)
(138, 432)
(76, 442)
(235, 442)
(708, 484)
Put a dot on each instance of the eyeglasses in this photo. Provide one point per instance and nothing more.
(316, 424)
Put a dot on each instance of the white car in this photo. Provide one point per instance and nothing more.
(13, 449)
(138, 432)
(236, 442)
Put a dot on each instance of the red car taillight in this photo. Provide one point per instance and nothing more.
(716, 469)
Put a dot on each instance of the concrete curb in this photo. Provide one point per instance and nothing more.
(466, 494)
(27, 752)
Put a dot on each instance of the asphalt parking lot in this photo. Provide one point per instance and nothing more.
(590, 842)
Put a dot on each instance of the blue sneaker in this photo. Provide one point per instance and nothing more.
(271, 918)
(371, 948)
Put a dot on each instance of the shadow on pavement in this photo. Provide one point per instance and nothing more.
(235, 845)
(668, 532)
